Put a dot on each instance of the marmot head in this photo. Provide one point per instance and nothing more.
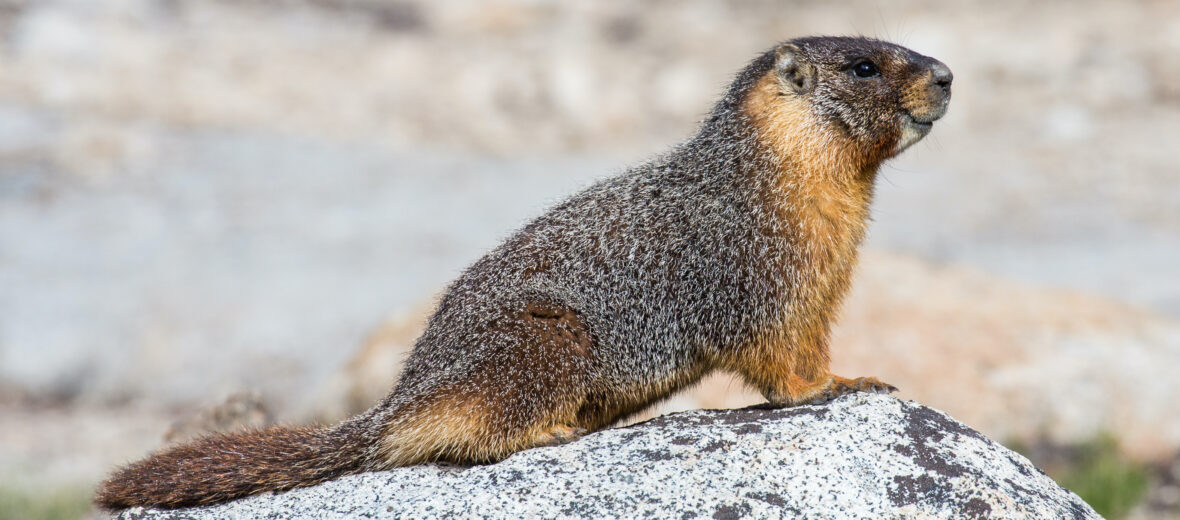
(880, 96)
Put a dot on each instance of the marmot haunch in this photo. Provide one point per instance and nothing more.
(731, 252)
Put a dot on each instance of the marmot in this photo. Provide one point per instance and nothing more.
(732, 251)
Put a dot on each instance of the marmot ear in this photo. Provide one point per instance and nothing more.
(794, 70)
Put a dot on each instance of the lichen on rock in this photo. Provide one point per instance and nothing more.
(860, 456)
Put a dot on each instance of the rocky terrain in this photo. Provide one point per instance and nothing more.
(861, 456)
(205, 198)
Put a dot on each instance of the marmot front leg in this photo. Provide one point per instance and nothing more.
(836, 386)
(790, 377)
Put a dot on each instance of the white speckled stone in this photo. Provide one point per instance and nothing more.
(860, 456)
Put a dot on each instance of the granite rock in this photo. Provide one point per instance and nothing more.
(860, 456)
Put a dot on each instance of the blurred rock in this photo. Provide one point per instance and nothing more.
(48, 448)
(1014, 361)
(372, 370)
(239, 411)
(519, 75)
(98, 150)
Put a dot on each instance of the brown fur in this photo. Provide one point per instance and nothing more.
(734, 252)
(214, 469)
(466, 424)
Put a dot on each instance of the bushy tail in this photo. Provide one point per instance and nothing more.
(223, 467)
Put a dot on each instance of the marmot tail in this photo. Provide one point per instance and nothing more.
(223, 467)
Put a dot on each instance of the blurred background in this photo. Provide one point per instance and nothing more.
(217, 213)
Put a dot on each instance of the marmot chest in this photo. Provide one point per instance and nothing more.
(826, 224)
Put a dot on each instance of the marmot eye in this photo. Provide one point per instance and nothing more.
(865, 69)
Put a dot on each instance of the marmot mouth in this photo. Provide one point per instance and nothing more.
(924, 124)
(913, 130)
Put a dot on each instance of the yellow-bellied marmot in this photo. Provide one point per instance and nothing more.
(732, 251)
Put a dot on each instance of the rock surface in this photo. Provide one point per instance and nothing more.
(860, 456)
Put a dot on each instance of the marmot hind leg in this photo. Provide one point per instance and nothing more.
(525, 391)
(558, 435)
(468, 430)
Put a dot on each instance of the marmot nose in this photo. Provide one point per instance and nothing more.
(942, 76)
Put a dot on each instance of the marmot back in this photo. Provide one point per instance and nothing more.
(732, 251)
